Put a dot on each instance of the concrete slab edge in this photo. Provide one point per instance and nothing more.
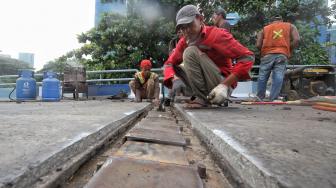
(242, 168)
(62, 164)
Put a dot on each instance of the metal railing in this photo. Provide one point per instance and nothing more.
(288, 67)
(16, 76)
(100, 72)
(117, 71)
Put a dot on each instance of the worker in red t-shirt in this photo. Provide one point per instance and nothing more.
(206, 52)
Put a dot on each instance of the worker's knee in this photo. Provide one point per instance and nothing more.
(150, 82)
(190, 52)
(131, 84)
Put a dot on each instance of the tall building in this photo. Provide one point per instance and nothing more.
(323, 37)
(331, 47)
(27, 57)
(323, 33)
(5, 55)
(104, 6)
(327, 37)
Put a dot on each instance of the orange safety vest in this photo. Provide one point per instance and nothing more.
(142, 79)
(276, 39)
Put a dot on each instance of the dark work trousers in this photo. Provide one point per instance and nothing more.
(199, 72)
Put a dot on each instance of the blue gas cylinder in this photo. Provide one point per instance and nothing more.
(50, 87)
(26, 85)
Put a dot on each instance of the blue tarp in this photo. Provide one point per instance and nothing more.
(114, 89)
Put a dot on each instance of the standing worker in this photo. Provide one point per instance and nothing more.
(146, 83)
(276, 42)
(219, 19)
(206, 53)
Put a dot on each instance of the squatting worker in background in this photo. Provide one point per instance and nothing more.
(219, 19)
(276, 41)
(206, 53)
(146, 83)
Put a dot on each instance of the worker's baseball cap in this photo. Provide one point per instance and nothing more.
(221, 11)
(276, 17)
(146, 64)
(186, 15)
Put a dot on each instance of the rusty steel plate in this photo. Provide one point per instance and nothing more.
(129, 173)
(163, 125)
(154, 152)
(171, 129)
(156, 136)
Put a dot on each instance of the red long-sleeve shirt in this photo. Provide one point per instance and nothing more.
(220, 47)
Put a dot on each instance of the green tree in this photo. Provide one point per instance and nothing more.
(55, 66)
(122, 42)
(11, 66)
(306, 15)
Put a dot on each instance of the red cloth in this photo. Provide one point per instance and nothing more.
(220, 47)
(146, 64)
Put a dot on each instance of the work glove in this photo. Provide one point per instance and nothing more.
(156, 102)
(219, 94)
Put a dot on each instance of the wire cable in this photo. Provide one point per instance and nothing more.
(10, 94)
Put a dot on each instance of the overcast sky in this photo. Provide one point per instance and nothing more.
(46, 28)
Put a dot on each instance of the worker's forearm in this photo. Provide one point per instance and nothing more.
(137, 84)
(294, 44)
(259, 42)
(230, 80)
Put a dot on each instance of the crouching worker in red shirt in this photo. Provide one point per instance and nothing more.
(206, 53)
(146, 84)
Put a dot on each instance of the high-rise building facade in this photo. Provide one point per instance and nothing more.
(323, 37)
(28, 58)
(104, 6)
(331, 47)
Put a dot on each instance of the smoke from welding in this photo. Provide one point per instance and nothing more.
(149, 11)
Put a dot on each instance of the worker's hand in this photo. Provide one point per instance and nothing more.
(219, 94)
